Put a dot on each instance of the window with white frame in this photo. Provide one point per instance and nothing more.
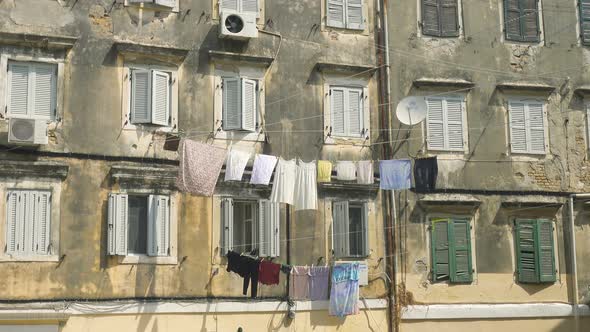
(350, 236)
(151, 92)
(346, 14)
(166, 4)
(240, 104)
(139, 225)
(240, 6)
(527, 126)
(347, 111)
(32, 90)
(250, 225)
(445, 123)
(28, 222)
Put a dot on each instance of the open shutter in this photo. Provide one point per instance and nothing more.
(11, 221)
(141, 101)
(585, 21)
(44, 91)
(231, 5)
(545, 250)
(159, 225)
(339, 228)
(268, 223)
(512, 18)
(365, 215)
(430, 18)
(449, 18)
(275, 228)
(18, 95)
(27, 223)
(160, 98)
(354, 15)
(117, 224)
(527, 260)
(354, 115)
(454, 124)
(42, 239)
(166, 3)
(536, 126)
(337, 114)
(440, 249)
(529, 20)
(250, 6)
(335, 13)
(435, 124)
(249, 104)
(231, 104)
(227, 225)
(460, 243)
(518, 136)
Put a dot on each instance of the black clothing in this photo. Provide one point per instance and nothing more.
(247, 268)
(425, 174)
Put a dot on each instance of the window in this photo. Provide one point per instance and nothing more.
(346, 14)
(170, 4)
(521, 20)
(444, 124)
(28, 222)
(440, 18)
(139, 225)
(527, 126)
(347, 111)
(240, 104)
(350, 234)
(31, 90)
(535, 253)
(248, 225)
(240, 6)
(150, 97)
(585, 21)
(450, 243)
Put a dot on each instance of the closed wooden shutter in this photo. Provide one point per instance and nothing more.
(232, 119)
(585, 21)
(44, 91)
(42, 222)
(250, 6)
(449, 18)
(536, 127)
(340, 229)
(435, 124)
(337, 113)
(335, 13)
(354, 114)
(12, 220)
(231, 5)
(454, 124)
(160, 98)
(529, 20)
(512, 17)
(440, 250)
(159, 225)
(249, 104)
(518, 131)
(141, 101)
(18, 95)
(546, 251)
(527, 260)
(430, 18)
(460, 243)
(117, 224)
(354, 15)
(227, 225)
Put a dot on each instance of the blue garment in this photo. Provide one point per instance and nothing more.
(395, 174)
(344, 295)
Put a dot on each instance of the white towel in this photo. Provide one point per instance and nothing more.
(306, 191)
(262, 169)
(283, 188)
(235, 165)
(345, 171)
(364, 172)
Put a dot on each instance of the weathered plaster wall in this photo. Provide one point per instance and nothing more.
(541, 325)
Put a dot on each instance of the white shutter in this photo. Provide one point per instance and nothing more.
(340, 229)
(454, 124)
(337, 114)
(18, 89)
(269, 232)
(12, 214)
(354, 14)
(249, 104)
(366, 229)
(354, 114)
(536, 127)
(231, 5)
(250, 6)
(518, 139)
(435, 124)
(42, 222)
(141, 86)
(227, 225)
(160, 98)
(117, 224)
(43, 102)
(140, 1)
(158, 225)
(166, 3)
(27, 202)
(335, 13)
(231, 104)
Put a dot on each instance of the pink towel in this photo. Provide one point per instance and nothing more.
(200, 165)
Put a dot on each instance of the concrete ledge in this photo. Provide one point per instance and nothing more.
(37, 41)
(158, 177)
(175, 55)
(238, 57)
(345, 68)
(33, 169)
(442, 82)
(526, 86)
(492, 311)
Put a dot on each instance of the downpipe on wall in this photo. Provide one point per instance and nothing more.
(574, 261)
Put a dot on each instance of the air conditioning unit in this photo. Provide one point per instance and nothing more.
(238, 25)
(27, 131)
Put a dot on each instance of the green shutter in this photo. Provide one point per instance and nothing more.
(545, 250)
(512, 17)
(528, 270)
(449, 18)
(585, 21)
(440, 249)
(529, 20)
(430, 18)
(460, 253)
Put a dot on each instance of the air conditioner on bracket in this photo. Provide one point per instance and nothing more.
(27, 131)
(238, 25)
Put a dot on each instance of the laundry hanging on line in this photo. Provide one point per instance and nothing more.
(269, 273)
(324, 171)
(395, 174)
(306, 190)
(345, 171)
(262, 169)
(425, 173)
(344, 294)
(283, 188)
(236, 164)
(200, 166)
(364, 172)
(247, 268)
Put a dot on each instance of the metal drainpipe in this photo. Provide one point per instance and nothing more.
(574, 260)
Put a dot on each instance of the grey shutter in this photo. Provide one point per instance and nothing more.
(440, 249)
(160, 98)
(529, 20)
(27, 222)
(517, 118)
(366, 229)
(528, 271)
(117, 224)
(340, 229)
(12, 219)
(585, 21)
(354, 114)
(335, 13)
(44, 91)
(18, 95)
(231, 5)
(250, 6)
(249, 104)
(430, 18)
(166, 3)
(227, 225)
(337, 114)
(231, 104)
(159, 225)
(536, 127)
(140, 1)
(454, 124)
(449, 18)
(435, 124)
(268, 232)
(461, 271)
(512, 17)
(141, 87)
(354, 15)
(42, 222)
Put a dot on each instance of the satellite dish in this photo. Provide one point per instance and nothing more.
(411, 110)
